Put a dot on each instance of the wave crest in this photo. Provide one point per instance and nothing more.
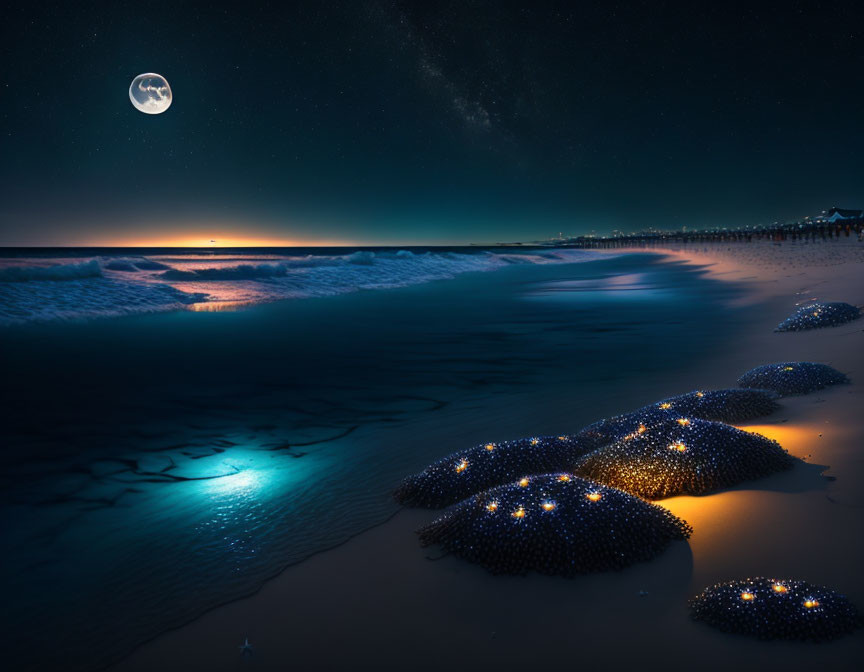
(127, 284)
(58, 272)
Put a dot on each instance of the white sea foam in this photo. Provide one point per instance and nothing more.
(105, 286)
(55, 272)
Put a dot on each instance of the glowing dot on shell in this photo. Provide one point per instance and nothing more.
(563, 478)
(593, 496)
(461, 466)
(548, 506)
(779, 588)
(680, 447)
(523, 482)
(492, 506)
(748, 597)
(788, 368)
(642, 429)
(811, 604)
(700, 394)
(683, 421)
(665, 405)
(518, 513)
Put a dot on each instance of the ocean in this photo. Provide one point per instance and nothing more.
(182, 425)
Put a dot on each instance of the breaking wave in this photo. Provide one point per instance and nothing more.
(121, 285)
(85, 269)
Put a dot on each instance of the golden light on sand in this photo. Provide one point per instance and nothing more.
(700, 394)
(680, 447)
(665, 405)
(788, 368)
(779, 588)
(748, 597)
(562, 438)
(534, 442)
(523, 482)
(811, 604)
(642, 429)
(799, 439)
(461, 466)
(683, 421)
(564, 478)
(492, 506)
(548, 506)
(518, 513)
(593, 496)
(490, 446)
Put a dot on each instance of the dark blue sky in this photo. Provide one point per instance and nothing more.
(395, 122)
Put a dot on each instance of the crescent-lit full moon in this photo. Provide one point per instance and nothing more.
(150, 93)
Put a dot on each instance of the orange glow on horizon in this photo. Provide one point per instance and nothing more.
(219, 241)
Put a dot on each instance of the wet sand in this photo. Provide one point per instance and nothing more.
(380, 602)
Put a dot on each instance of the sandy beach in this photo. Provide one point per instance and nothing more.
(380, 602)
(436, 335)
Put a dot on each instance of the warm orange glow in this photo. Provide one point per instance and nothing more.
(788, 368)
(534, 442)
(523, 482)
(779, 588)
(215, 240)
(748, 597)
(492, 506)
(593, 496)
(642, 429)
(683, 421)
(490, 446)
(562, 438)
(548, 506)
(215, 233)
(700, 394)
(798, 437)
(564, 478)
(680, 447)
(665, 405)
(462, 466)
(518, 513)
(811, 604)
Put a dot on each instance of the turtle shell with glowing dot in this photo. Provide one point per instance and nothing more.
(692, 458)
(732, 405)
(787, 378)
(462, 474)
(554, 525)
(776, 609)
(818, 314)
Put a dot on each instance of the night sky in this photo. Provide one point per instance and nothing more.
(387, 122)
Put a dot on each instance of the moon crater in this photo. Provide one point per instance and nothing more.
(150, 93)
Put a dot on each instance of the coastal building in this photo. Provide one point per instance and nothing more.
(838, 214)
